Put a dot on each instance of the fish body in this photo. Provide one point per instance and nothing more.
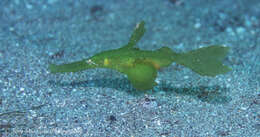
(141, 66)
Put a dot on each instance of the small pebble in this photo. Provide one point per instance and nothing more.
(29, 6)
(240, 30)
(21, 89)
(197, 25)
(186, 77)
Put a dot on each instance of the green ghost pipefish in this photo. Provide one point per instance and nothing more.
(141, 65)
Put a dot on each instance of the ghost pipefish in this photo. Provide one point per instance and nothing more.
(141, 66)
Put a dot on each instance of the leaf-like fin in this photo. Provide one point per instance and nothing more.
(136, 35)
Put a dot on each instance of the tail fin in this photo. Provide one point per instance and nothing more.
(205, 61)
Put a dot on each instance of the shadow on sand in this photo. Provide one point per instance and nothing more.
(213, 95)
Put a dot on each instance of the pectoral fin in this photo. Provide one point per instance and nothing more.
(142, 75)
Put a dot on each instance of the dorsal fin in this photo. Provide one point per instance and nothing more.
(136, 35)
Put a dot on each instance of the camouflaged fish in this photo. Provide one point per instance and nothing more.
(141, 66)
